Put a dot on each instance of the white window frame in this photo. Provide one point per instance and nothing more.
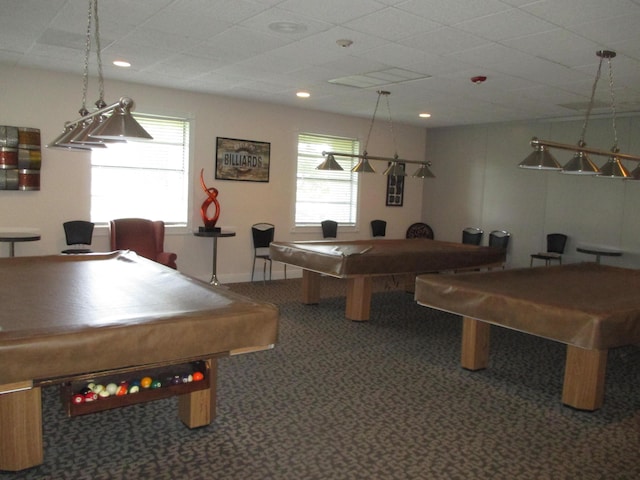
(116, 163)
(319, 182)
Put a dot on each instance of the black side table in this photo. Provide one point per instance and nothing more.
(13, 237)
(214, 235)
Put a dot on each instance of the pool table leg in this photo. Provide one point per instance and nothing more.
(310, 287)
(21, 430)
(198, 409)
(584, 378)
(358, 298)
(475, 344)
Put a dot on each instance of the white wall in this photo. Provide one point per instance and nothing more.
(45, 100)
(479, 184)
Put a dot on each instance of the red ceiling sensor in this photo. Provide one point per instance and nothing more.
(478, 79)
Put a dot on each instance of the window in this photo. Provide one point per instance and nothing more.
(144, 179)
(325, 194)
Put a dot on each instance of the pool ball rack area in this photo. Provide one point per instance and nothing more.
(172, 378)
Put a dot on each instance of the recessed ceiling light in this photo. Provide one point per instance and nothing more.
(424, 115)
(288, 27)
(121, 63)
(303, 94)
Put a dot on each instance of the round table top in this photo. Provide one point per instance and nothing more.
(199, 233)
(605, 252)
(19, 236)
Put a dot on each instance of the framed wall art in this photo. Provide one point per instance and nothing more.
(243, 160)
(395, 189)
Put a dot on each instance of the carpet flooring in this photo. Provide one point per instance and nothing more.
(383, 399)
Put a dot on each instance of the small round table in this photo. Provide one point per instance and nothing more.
(598, 251)
(13, 237)
(215, 235)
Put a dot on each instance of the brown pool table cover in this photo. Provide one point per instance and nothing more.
(587, 305)
(70, 314)
(383, 256)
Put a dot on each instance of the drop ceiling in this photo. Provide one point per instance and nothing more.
(539, 57)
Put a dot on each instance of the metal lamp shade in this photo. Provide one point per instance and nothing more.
(121, 126)
(363, 166)
(580, 164)
(424, 172)
(540, 159)
(395, 170)
(64, 140)
(85, 136)
(329, 164)
(614, 169)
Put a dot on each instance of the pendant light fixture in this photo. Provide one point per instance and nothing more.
(580, 163)
(108, 123)
(396, 166)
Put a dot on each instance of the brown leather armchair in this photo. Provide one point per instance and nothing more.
(145, 237)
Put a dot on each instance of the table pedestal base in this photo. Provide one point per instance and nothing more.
(359, 291)
(21, 430)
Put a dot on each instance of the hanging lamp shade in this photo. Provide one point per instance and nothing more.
(423, 172)
(614, 168)
(65, 137)
(121, 125)
(363, 165)
(70, 132)
(395, 170)
(329, 163)
(580, 164)
(540, 159)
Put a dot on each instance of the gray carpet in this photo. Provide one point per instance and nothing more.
(384, 399)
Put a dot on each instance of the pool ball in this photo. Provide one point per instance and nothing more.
(156, 384)
(145, 382)
(77, 398)
(112, 388)
(197, 376)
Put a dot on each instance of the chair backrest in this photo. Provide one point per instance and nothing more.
(329, 229)
(378, 228)
(262, 234)
(145, 237)
(472, 235)
(419, 230)
(499, 239)
(78, 232)
(556, 242)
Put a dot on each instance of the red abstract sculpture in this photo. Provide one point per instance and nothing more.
(212, 194)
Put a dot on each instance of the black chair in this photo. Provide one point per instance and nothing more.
(262, 234)
(419, 230)
(378, 228)
(472, 236)
(329, 229)
(555, 248)
(499, 239)
(79, 234)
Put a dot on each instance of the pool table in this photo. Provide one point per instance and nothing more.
(359, 260)
(587, 306)
(65, 317)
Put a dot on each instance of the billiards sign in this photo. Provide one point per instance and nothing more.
(242, 160)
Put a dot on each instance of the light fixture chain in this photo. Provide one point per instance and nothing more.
(87, 51)
(373, 119)
(593, 94)
(98, 53)
(393, 136)
(613, 104)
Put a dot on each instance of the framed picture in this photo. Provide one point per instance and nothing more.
(243, 160)
(395, 189)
